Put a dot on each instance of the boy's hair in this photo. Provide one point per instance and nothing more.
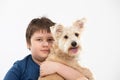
(37, 24)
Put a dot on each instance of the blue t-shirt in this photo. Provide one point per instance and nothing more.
(25, 69)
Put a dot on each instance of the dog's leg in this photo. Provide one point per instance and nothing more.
(87, 73)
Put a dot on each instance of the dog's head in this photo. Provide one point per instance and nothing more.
(68, 38)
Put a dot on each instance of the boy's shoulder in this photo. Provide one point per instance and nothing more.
(22, 64)
(23, 61)
(24, 69)
(29, 69)
(26, 63)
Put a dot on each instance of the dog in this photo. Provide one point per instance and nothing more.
(66, 49)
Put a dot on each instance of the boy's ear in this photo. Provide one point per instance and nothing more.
(79, 23)
(28, 45)
(56, 30)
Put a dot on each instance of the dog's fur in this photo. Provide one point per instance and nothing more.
(66, 49)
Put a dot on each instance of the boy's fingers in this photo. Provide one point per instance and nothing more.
(82, 78)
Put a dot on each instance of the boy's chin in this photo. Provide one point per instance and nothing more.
(45, 56)
(42, 57)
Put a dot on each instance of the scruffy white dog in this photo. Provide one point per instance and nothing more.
(66, 49)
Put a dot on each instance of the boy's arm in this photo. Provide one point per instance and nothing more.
(70, 73)
(49, 67)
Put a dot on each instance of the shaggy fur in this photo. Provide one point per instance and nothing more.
(66, 49)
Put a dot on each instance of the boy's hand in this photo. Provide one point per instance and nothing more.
(48, 67)
(82, 78)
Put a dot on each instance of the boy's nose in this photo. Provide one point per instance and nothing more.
(45, 43)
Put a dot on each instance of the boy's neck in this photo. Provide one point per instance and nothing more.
(38, 61)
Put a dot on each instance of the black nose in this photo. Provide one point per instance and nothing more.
(73, 43)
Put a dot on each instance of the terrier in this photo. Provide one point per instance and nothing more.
(66, 49)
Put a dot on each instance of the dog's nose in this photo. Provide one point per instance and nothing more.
(73, 43)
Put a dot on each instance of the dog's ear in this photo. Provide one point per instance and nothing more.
(79, 23)
(56, 30)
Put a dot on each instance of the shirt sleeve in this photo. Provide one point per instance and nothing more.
(14, 73)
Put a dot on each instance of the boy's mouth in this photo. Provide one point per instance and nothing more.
(45, 51)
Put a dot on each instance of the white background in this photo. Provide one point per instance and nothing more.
(100, 39)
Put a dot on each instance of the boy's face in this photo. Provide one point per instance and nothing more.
(41, 42)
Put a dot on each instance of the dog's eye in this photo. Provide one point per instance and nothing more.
(66, 37)
(76, 34)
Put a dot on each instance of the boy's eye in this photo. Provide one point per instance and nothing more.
(50, 40)
(39, 39)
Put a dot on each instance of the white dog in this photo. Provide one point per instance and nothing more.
(66, 49)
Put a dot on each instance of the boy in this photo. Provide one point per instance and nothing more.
(39, 41)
